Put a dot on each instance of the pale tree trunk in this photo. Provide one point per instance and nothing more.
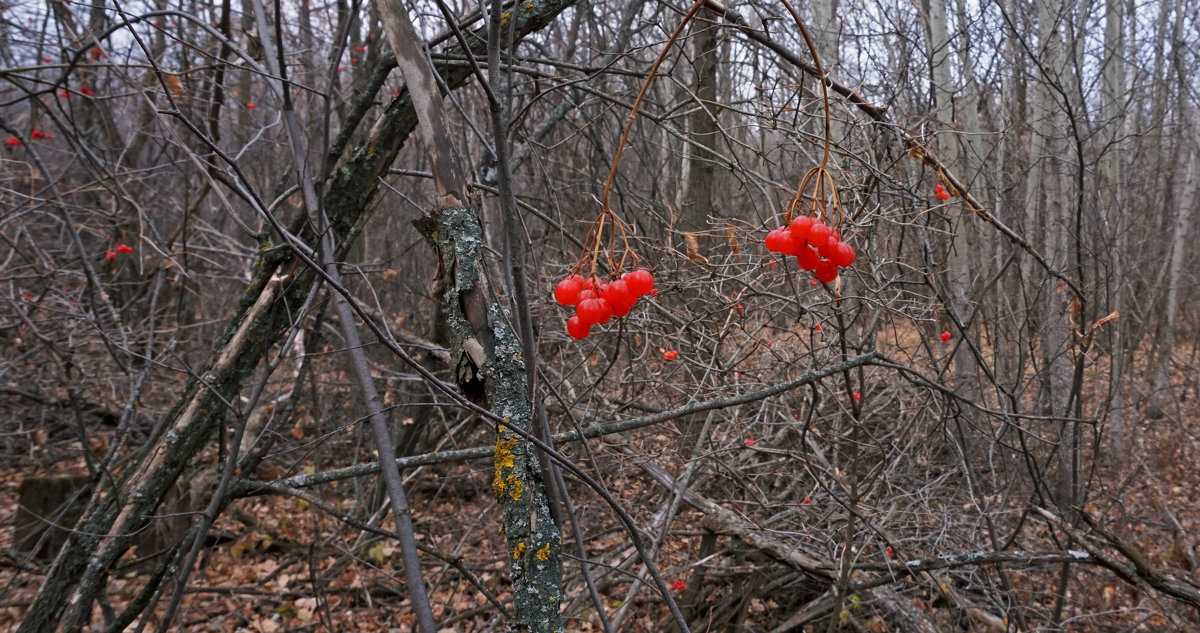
(1187, 198)
(1111, 172)
(695, 197)
(1050, 202)
(1179, 233)
(959, 262)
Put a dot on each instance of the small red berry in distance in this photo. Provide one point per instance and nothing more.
(857, 396)
(87, 91)
(818, 234)
(640, 282)
(671, 355)
(679, 585)
(124, 248)
(946, 336)
(251, 106)
(891, 552)
(590, 311)
(567, 291)
(844, 255)
(37, 134)
(800, 227)
(826, 271)
(64, 93)
(577, 328)
(807, 258)
(807, 501)
(109, 255)
(12, 141)
(750, 442)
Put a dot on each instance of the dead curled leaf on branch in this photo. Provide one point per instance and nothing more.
(693, 248)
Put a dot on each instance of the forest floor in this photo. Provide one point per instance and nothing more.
(277, 563)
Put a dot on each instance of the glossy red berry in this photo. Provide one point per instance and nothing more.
(640, 282)
(807, 258)
(818, 234)
(124, 248)
(844, 255)
(671, 355)
(618, 295)
(773, 241)
(577, 328)
(829, 248)
(946, 337)
(591, 311)
(800, 227)
(826, 271)
(567, 291)
(12, 141)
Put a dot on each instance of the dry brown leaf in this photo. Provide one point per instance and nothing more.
(693, 248)
(734, 245)
(175, 85)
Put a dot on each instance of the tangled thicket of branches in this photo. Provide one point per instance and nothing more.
(225, 257)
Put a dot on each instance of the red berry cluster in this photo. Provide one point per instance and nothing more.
(598, 302)
(817, 247)
(942, 194)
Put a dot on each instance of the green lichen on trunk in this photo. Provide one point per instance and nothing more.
(533, 539)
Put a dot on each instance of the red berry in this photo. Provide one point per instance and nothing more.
(807, 501)
(124, 248)
(109, 255)
(826, 271)
(679, 585)
(844, 255)
(87, 91)
(250, 106)
(606, 313)
(807, 258)
(591, 311)
(577, 328)
(619, 297)
(857, 396)
(12, 141)
(829, 248)
(800, 227)
(640, 282)
(818, 234)
(946, 337)
(749, 442)
(567, 291)
(37, 134)
(671, 355)
(772, 241)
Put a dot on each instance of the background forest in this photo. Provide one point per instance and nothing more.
(247, 248)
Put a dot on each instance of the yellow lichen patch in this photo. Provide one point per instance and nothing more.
(544, 553)
(504, 18)
(501, 459)
(518, 551)
(516, 487)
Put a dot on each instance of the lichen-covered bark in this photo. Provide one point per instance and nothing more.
(475, 323)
